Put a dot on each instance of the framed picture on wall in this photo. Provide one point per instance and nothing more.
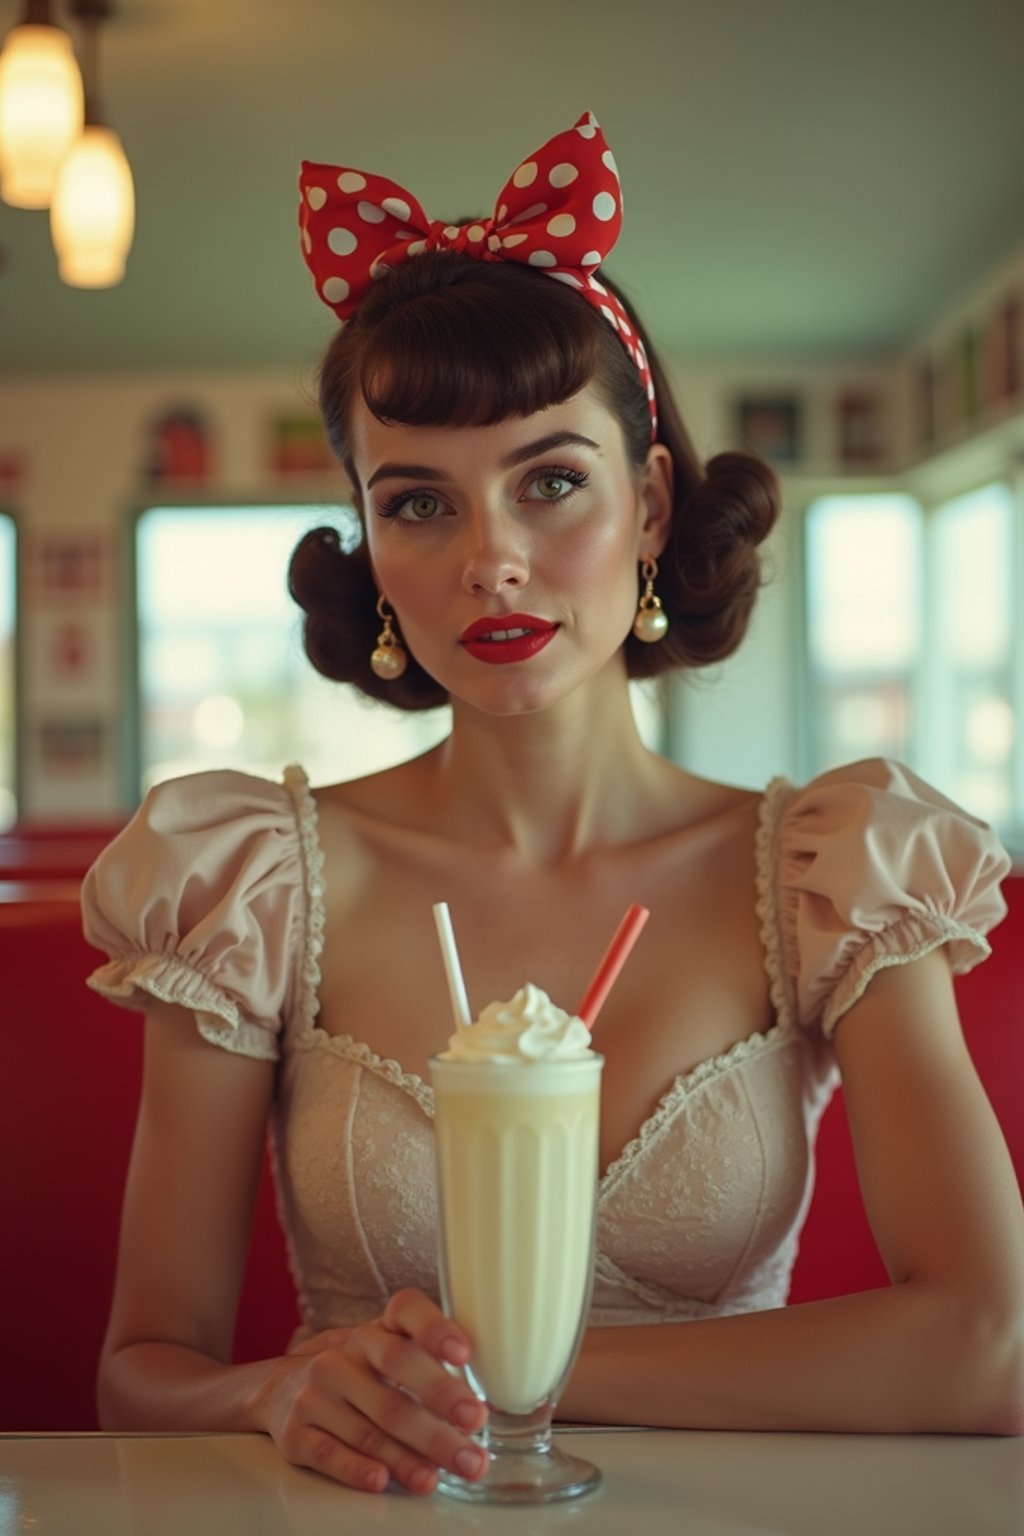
(72, 746)
(1002, 348)
(179, 448)
(13, 470)
(860, 427)
(70, 564)
(770, 425)
(297, 445)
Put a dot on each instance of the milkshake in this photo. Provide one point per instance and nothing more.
(516, 1106)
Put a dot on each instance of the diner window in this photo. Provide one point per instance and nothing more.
(8, 605)
(864, 586)
(222, 677)
(914, 621)
(970, 651)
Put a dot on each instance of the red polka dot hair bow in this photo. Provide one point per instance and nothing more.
(560, 211)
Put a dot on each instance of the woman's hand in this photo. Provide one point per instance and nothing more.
(366, 1404)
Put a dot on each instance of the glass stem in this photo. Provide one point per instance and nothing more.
(518, 1431)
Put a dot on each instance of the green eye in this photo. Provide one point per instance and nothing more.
(422, 507)
(551, 487)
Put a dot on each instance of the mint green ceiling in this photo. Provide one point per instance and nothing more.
(803, 179)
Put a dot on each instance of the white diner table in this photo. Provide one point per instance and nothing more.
(656, 1482)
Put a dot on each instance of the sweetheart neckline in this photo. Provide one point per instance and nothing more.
(679, 1091)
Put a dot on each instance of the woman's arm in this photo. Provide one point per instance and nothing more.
(359, 1404)
(943, 1348)
(185, 1225)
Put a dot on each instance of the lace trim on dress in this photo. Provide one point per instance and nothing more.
(170, 980)
(766, 908)
(854, 983)
(391, 1071)
(244, 1039)
(297, 783)
(690, 1083)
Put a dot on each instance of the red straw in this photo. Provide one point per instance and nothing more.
(615, 957)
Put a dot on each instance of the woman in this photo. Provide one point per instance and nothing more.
(533, 510)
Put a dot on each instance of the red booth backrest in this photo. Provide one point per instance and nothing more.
(70, 1067)
(70, 1072)
(44, 854)
(837, 1251)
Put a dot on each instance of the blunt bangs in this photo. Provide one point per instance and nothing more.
(471, 354)
(449, 340)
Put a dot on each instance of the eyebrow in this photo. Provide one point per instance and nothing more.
(517, 456)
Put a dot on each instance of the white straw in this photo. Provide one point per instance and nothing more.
(452, 969)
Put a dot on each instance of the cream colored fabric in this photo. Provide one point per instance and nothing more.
(212, 897)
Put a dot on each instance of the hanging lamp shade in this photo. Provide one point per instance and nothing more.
(41, 111)
(92, 217)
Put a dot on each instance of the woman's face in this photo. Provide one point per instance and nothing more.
(509, 552)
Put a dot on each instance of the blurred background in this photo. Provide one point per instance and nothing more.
(824, 231)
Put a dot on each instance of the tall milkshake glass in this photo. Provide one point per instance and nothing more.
(517, 1157)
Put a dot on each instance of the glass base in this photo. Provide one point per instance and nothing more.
(525, 1475)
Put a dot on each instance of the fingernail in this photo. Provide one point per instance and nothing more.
(469, 1463)
(454, 1351)
(465, 1415)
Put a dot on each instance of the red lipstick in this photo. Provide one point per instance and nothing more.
(507, 637)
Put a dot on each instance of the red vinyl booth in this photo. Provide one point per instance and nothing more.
(70, 1072)
(71, 1066)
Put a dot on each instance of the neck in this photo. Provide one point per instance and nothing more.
(547, 786)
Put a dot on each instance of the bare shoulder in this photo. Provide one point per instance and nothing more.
(722, 818)
(350, 811)
(392, 795)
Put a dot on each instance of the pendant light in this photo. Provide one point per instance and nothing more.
(92, 216)
(40, 106)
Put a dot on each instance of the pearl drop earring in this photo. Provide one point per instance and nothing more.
(389, 660)
(651, 622)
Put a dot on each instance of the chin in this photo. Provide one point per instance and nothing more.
(504, 696)
(509, 701)
(531, 687)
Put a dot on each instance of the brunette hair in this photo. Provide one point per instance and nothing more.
(447, 339)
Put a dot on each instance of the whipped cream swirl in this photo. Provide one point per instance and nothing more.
(529, 1027)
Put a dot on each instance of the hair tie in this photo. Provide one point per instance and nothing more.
(560, 211)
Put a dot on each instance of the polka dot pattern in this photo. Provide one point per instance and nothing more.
(342, 242)
(356, 226)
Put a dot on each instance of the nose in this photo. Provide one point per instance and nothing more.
(494, 556)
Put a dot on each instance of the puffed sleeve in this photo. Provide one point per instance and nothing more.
(875, 868)
(201, 901)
